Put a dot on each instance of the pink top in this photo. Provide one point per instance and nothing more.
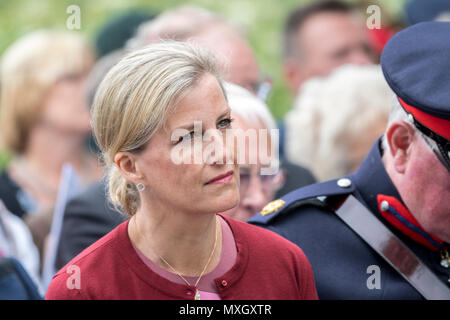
(206, 287)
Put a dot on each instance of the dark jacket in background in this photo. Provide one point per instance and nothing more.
(296, 177)
(12, 195)
(87, 218)
(15, 283)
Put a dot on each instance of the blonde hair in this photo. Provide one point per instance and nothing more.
(334, 113)
(134, 100)
(29, 68)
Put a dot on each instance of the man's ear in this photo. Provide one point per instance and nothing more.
(400, 136)
(292, 75)
(126, 162)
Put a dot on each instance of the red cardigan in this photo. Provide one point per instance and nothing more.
(267, 267)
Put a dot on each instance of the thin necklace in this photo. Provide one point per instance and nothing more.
(197, 293)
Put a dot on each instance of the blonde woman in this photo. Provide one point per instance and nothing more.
(44, 120)
(175, 245)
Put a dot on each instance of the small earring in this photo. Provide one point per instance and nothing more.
(140, 186)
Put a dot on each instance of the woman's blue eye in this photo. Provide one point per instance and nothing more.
(187, 137)
(225, 122)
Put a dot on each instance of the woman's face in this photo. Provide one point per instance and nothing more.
(65, 109)
(206, 186)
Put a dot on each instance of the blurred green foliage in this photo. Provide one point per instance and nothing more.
(262, 19)
(4, 158)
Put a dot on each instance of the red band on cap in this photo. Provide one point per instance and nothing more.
(438, 125)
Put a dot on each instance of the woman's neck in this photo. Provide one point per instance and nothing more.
(186, 241)
(38, 169)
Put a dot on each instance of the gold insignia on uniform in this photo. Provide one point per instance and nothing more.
(272, 206)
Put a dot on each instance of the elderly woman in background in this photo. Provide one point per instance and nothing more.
(44, 122)
(257, 187)
(336, 119)
(175, 245)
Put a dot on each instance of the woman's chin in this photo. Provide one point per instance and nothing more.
(227, 203)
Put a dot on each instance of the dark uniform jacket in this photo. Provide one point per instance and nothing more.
(344, 265)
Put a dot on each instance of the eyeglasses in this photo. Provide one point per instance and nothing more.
(439, 145)
(262, 88)
(269, 183)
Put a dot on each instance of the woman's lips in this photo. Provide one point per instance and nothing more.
(222, 179)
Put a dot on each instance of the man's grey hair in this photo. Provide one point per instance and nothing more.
(177, 24)
(249, 106)
(397, 113)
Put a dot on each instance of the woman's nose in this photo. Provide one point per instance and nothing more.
(219, 149)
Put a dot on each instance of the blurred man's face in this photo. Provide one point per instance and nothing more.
(243, 69)
(234, 54)
(327, 41)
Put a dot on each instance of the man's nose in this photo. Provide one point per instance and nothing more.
(360, 56)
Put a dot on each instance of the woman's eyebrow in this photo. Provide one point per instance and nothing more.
(227, 111)
(190, 126)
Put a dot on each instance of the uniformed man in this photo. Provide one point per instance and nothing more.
(383, 232)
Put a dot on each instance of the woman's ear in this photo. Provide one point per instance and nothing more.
(126, 162)
(400, 136)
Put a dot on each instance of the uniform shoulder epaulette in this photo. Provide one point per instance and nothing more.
(306, 195)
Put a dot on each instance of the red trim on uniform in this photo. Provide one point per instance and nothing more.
(438, 125)
(406, 214)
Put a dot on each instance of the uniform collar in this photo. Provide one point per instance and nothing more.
(372, 179)
(382, 198)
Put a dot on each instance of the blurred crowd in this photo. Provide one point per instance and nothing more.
(48, 82)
